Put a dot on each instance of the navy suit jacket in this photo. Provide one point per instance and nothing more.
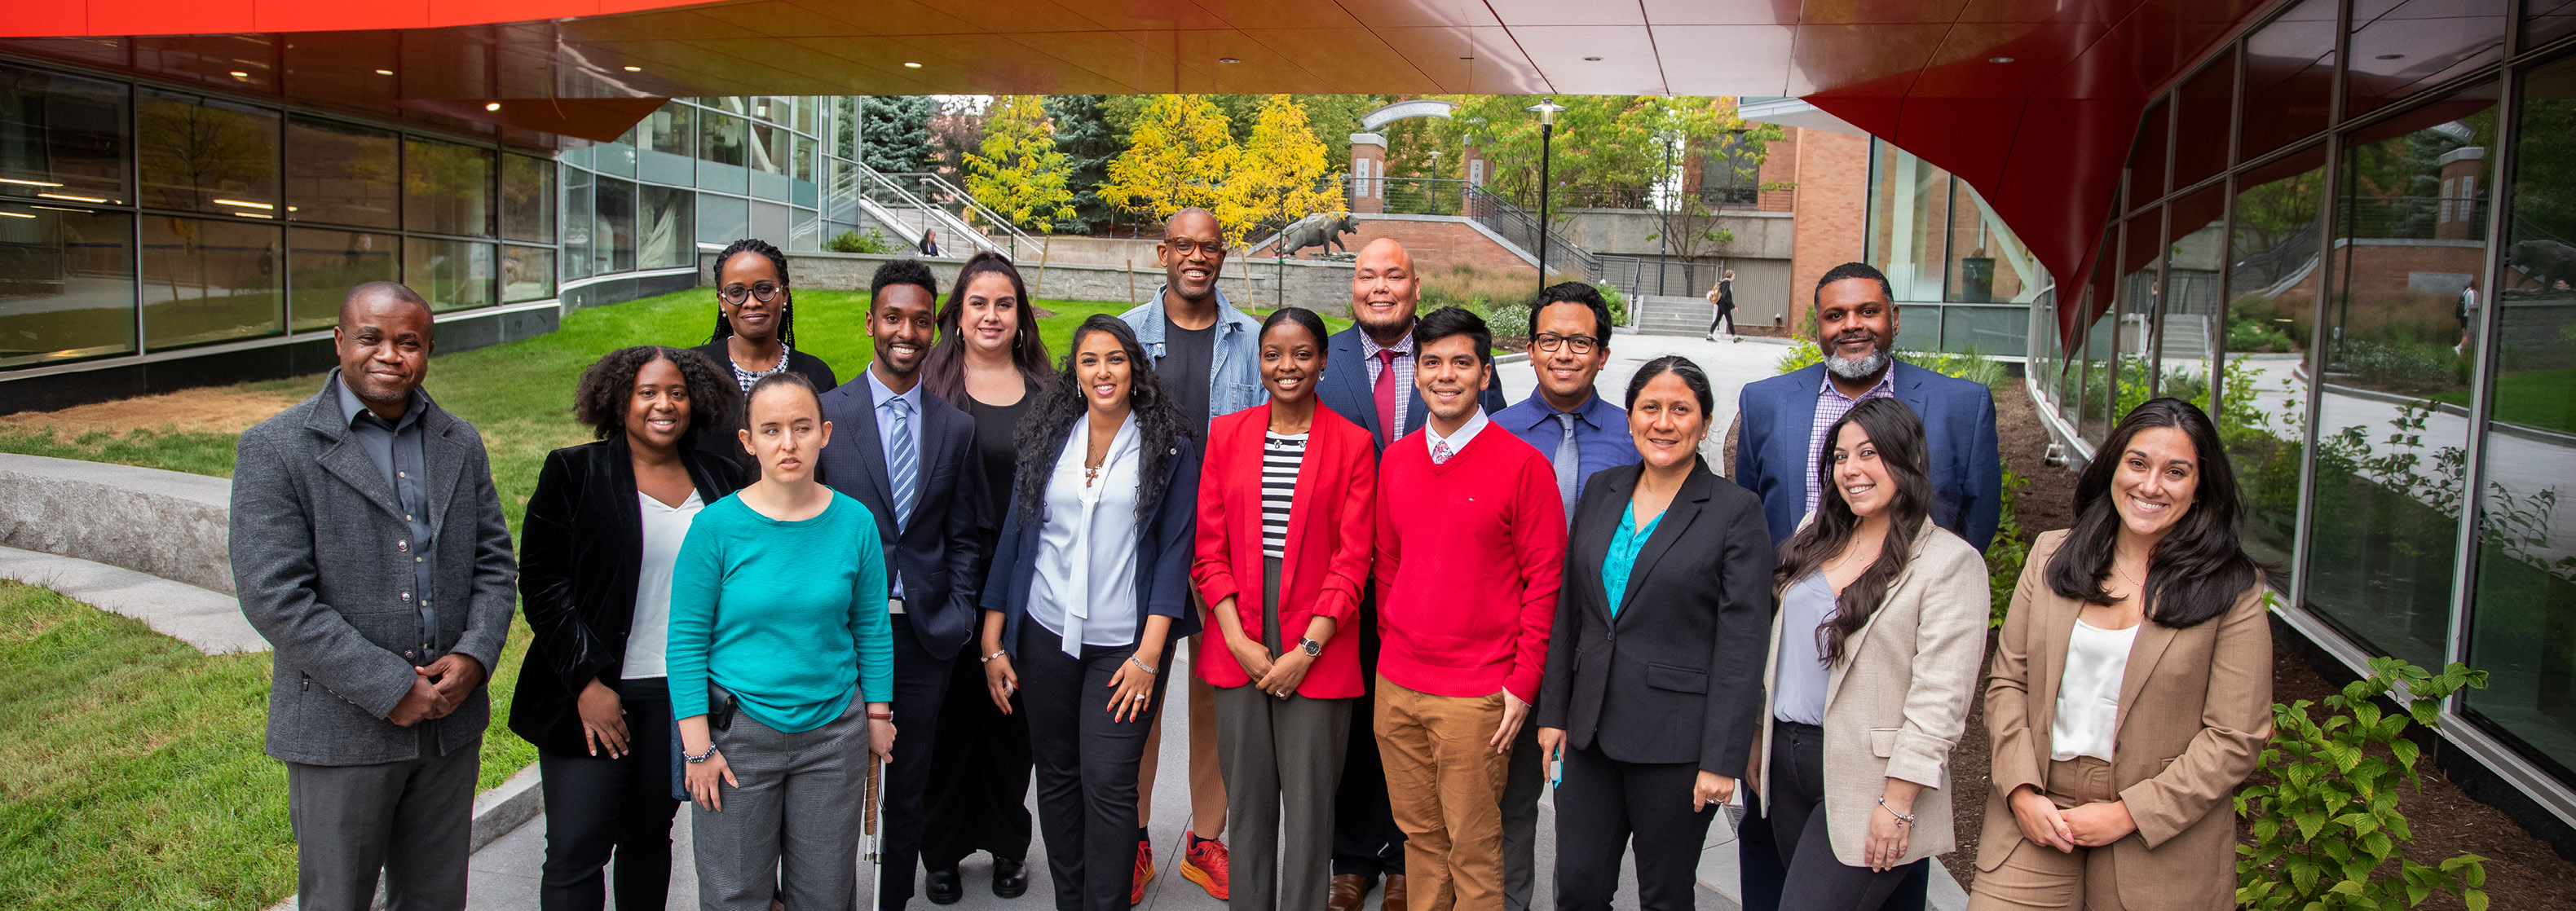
(1345, 389)
(1958, 426)
(936, 551)
(1164, 551)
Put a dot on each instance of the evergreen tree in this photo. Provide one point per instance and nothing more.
(1018, 172)
(894, 132)
(1084, 133)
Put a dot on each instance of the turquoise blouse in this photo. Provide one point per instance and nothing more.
(1624, 545)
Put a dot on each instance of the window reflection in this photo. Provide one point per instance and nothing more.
(723, 219)
(670, 137)
(613, 237)
(2141, 253)
(666, 228)
(2400, 47)
(447, 188)
(209, 280)
(203, 155)
(527, 273)
(2289, 78)
(2271, 298)
(61, 136)
(721, 138)
(2147, 158)
(577, 236)
(2187, 331)
(2409, 242)
(2201, 119)
(452, 274)
(66, 284)
(323, 265)
(2547, 20)
(527, 199)
(341, 173)
(2524, 629)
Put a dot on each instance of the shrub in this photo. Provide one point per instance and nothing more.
(1970, 366)
(853, 242)
(2327, 828)
(1502, 298)
(2006, 555)
(2399, 363)
(2250, 334)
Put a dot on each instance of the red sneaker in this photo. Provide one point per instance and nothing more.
(1144, 872)
(1206, 863)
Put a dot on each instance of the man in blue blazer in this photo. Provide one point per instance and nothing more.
(903, 453)
(1777, 452)
(1368, 378)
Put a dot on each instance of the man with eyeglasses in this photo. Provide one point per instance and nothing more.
(1206, 353)
(1580, 433)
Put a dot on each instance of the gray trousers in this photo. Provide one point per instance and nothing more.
(1280, 752)
(1522, 784)
(790, 829)
(413, 820)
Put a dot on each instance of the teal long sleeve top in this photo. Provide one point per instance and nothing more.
(790, 617)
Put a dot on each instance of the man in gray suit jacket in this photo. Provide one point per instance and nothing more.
(368, 547)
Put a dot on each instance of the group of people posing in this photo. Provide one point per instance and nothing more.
(1404, 606)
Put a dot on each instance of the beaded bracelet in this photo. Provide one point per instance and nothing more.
(1902, 819)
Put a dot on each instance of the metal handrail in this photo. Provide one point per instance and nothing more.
(967, 202)
(1520, 227)
(956, 226)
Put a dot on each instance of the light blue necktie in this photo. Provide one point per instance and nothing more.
(903, 460)
(1569, 458)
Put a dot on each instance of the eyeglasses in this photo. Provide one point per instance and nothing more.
(1182, 247)
(734, 294)
(1550, 341)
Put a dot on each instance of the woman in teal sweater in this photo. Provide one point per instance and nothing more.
(778, 632)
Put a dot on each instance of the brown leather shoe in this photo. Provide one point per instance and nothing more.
(1394, 898)
(1347, 890)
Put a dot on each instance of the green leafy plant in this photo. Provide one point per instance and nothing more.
(1969, 366)
(2007, 554)
(2326, 831)
(1800, 355)
(853, 242)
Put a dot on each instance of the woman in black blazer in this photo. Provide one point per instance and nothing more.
(595, 558)
(1654, 675)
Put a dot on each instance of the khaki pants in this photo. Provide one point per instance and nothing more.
(2038, 876)
(1445, 783)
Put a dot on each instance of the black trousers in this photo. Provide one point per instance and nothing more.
(1725, 316)
(1086, 765)
(979, 774)
(598, 807)
(1816, 880)
(920, 686)
(1523, 781)
(1761, 874)
(1600, 805)
(1366, 840)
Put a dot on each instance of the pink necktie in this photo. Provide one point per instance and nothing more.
(1440, 453)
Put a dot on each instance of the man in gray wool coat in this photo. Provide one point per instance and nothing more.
(368, 546)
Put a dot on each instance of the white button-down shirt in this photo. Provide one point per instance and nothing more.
(1085, 589)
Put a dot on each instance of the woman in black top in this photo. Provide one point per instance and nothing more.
(755, 336)
(595, 560)
(990, 361)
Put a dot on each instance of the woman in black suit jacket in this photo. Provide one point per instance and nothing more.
(1654, 676)
(591, 695)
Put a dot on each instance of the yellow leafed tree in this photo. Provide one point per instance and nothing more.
(1017, 172)
(1281, 175)
(1180, 152)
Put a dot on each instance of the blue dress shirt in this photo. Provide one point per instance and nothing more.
(1600, 434)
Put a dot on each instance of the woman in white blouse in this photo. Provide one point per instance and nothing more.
(1088, 593)
(2132, 686)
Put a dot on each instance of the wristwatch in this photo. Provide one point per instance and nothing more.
(1312, 647)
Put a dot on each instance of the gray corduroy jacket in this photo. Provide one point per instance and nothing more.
(322, 561)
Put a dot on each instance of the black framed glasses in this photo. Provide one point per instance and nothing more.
(1550, 341)
(1183, 247)
(735, 294)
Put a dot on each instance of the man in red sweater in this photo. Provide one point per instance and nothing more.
(1470, 542)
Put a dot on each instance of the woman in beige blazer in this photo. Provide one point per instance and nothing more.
(2122, 724)
(1874, 657)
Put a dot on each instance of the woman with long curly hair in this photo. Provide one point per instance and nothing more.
(595, 561)
(1088, 593)
(755, 334)
(1873, 660)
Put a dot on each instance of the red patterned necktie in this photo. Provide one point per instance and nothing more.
(1386, 394)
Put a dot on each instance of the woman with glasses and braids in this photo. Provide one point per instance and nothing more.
(755, 333)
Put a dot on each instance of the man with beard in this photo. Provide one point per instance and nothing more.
(1782, 444)
(1207, 355)
(1368, 379)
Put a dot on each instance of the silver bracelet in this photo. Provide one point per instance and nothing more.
(988, 659)
(1131, 659)
(699, 758)
(1902, 819)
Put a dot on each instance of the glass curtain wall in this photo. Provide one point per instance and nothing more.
(137, 218)
(2311, 241)
(700, 173)
(1965, 282)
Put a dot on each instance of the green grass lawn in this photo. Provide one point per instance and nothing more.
(132, 765)
(2533, 398)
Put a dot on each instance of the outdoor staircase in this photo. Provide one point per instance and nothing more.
(1671, 315)
(906, 205)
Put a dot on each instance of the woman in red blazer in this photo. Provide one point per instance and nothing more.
(1284, 536)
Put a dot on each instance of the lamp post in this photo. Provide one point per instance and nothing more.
(1546, 109)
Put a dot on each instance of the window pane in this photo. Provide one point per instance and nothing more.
(770, 148)
(453, 274)
(803, 235)
(2409, 242)
(2147, 159)
(527, 273)
(2200, 123)
(2400, 47)
(768, 221)
(209, 280)
(527, 199)
(615, 157)
(2289, 77)
(2547, 20)
(62, 136)
(2196, 237)
(666, 232)
(721, 138)
(723, 219)
(323, 265)
(2271, 301)
(203, 155)
(341, 173)
(2099, 348)
(668, 154)
(66, 284)
(577, 240)
(2523, 629)
(2142, 250)
(614, 235)
(447, 188)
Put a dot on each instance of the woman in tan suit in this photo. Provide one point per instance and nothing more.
(1874, 657)
(2075, 769)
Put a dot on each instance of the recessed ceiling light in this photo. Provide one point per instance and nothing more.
(29, 183)
(911, 65)
(1593, 59)
(1999, 60)
(240, 75)
(1228, 60)
(384, 72)
(634, 69)
(71, 198)
(494, 106)
(2391, 57)
(17, 214)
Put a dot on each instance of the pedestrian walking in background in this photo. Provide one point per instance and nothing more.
(1722, 296)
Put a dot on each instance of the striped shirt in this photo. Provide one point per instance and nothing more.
(1403, 349)
(1281, 454)
(1831, 405)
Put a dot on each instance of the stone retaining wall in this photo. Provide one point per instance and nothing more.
(1322, 286)
(161, 523)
